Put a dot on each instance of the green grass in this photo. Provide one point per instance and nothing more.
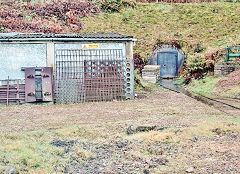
(207, 87)
(204, 86)
(31, 151)
(230, 92)
(212, 25)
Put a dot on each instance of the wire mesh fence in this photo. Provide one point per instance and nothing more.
(89, 75)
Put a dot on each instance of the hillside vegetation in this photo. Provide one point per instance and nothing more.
(221, 87)
(204, 28)
(212, 25)
(47, 17)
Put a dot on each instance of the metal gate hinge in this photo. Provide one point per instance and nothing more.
(45, 75)
(30, 76)
(47, 93)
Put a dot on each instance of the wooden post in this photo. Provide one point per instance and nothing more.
(17, 93)
(7, 90)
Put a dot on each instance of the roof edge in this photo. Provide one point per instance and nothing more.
(66, 39)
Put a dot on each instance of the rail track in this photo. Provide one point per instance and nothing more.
(228, 106)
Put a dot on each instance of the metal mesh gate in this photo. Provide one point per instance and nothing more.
(89, 75)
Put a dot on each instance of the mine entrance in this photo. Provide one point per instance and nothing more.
(168, 64)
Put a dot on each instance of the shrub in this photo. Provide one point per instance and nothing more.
(110, 6)
(138, 62)
(48, 17)
(196, 63)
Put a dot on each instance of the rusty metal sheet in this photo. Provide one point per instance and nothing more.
(47, 87)
(30, 94)
(11, 92)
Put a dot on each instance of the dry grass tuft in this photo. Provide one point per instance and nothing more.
(82, 154)
(206, 127)
(152, 136)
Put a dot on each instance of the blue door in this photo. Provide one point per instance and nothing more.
(168, 64)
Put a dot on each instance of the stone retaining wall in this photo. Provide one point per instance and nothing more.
(151, 73)
(223, 70)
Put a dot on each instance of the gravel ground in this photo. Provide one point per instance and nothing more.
(182, 135)
(158, 105)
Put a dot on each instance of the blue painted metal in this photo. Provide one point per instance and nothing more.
(168, 64)
(170, 60)
(14, 56)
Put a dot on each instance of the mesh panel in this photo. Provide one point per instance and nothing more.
(89, 75)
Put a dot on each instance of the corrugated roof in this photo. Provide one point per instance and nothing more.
(63, 35)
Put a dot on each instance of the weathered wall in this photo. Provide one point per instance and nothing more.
(100, 46)
(129, 50)
(15, 56)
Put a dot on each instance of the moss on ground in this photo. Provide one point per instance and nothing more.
(204, 86)
(207, 87)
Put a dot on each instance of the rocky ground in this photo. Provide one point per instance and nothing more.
(229, 86)
(200, 155)
(166, 132)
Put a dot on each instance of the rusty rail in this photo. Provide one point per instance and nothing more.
(12, 93)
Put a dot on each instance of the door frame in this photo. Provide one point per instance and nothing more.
(176, 63)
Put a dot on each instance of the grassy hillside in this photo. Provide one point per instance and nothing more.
(199, 28)
(212, 25)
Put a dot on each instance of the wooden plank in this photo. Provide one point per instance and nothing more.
(7, 89)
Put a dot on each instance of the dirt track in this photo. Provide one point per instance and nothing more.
(159, 105)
